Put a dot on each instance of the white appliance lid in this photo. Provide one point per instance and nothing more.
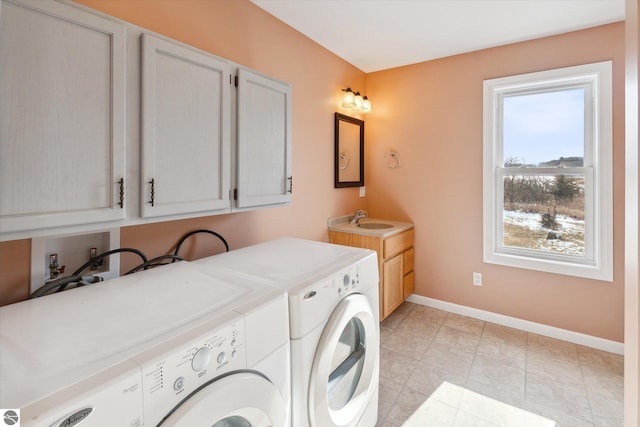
(51, 342)
(289, 263)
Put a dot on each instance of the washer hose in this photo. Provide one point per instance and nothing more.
(60, 284)
(154, 262)
(191, 233)
(106, 254)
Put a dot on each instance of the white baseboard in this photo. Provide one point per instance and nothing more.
(525, 325)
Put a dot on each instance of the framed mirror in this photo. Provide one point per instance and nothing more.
(349, 151)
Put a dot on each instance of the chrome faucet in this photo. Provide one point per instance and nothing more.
(360, 214)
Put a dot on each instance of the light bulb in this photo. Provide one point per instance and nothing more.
(366, 105)
(348, 99)
(358, 100)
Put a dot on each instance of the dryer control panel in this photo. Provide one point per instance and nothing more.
(310, 306)
(347, 281)
(173, 370)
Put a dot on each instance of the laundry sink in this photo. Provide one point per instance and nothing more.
(374, 225)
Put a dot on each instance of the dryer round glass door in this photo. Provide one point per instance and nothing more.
(243, 399)
(344, 374)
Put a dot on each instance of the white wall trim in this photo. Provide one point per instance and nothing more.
(525, 325)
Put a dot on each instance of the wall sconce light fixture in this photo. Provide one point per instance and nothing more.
(354, 101)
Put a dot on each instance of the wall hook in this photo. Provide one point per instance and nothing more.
(344, 161)
(392, 160)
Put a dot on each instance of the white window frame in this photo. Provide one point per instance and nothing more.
(597, 169)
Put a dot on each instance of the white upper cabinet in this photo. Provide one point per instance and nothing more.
(62, 116)
(185, 130)
(105, 124)
(263, 141)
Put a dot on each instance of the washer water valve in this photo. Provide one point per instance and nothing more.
(54, 271)
(93, 252)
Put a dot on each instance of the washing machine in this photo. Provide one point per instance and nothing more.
(334, 325)
(177, 345)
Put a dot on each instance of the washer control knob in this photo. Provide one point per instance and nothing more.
(233, 343)
(346, 280)
(201, 359)
(178, 384)
(222, 357)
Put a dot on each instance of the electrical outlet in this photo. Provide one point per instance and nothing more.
(477, 279)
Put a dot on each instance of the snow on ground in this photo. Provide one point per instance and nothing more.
(571, 229)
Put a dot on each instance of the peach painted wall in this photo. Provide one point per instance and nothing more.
(245, 34)
(431, 114)
(15, 264)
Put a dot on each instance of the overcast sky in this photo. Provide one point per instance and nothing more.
(544, 126)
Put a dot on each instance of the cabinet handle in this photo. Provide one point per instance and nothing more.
(290, 184)
(121, 203)
(153, 191)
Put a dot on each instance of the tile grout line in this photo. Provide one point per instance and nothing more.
(475, 354)
(584, 384)
(395, 399)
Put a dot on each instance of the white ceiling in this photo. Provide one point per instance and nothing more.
(375, 35)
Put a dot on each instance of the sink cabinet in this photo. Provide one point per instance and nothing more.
(395, 264)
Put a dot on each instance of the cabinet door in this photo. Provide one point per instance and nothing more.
(62, 116)
(409, 284)
(408, 260)
(264, 141)
(392, 284)
(185, 130)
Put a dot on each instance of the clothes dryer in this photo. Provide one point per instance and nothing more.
(334, 325)
(160, 347)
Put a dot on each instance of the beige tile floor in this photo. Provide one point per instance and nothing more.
(443, 369)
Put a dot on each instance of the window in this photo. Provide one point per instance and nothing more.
(547, 171)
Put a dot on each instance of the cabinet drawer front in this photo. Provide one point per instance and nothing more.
(408, 260)
(398, 244)
(355, 240)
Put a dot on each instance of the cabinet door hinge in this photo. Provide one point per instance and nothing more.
(152, 202)
(121, 202)
(290, 184)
